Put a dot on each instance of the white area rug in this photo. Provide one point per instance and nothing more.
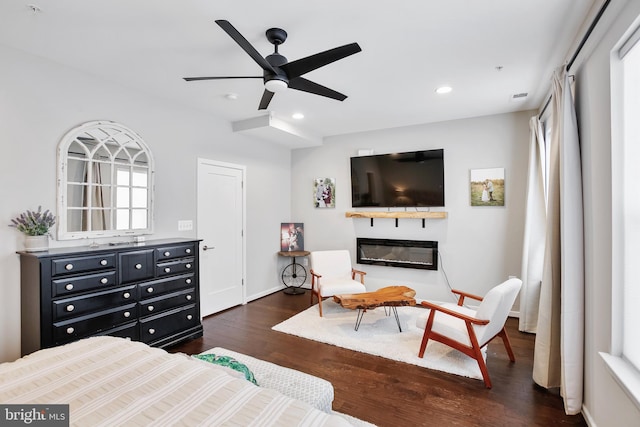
(378, 335)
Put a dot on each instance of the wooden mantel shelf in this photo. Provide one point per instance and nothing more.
(399, 214)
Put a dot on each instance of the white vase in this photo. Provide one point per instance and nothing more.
(36, 243)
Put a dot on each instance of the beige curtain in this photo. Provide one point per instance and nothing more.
(534, 230)
(93, 199)
(559, 346)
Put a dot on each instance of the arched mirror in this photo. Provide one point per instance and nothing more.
(105, 182)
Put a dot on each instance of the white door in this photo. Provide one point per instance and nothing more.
(220, 226)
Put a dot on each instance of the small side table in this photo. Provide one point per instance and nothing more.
(294, 275)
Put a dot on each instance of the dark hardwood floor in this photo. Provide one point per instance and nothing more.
(385, 392)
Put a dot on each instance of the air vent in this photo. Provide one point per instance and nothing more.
(520, 95)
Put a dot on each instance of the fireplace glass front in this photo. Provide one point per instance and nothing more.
(398, 253)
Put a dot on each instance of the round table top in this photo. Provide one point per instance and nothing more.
(293, 253)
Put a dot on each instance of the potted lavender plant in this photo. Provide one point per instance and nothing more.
(35, 225)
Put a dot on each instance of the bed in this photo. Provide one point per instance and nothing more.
(110, 381)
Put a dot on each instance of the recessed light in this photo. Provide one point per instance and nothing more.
(298, 116)
(444, 89)
(231, 96)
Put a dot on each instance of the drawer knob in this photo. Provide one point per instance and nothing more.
(188, 297)
(104, 280)
(127, 295)
(150, 289)
(138, 266)
(70, 307)
(70, 330)
(188, 265)
(103, 262)
(167, 253)
(167, 270)
(189, 317)
(188, 281)
(152, 331)
(69, 287)
(127, 314)
(68, 266)
(188, 250)
(150, 308)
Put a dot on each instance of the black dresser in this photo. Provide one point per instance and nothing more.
(147, 291)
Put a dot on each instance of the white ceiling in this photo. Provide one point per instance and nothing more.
(409, 47)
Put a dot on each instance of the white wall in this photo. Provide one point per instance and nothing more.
(605, 403)
(40, 101)
(480, 246)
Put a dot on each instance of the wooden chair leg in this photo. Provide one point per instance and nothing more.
(483, 367)
(477, 354)
(507, 344)
(427, 331)
(320, 303)
(313, 289)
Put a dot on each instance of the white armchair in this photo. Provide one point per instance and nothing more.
(469, 330)
(332, 274)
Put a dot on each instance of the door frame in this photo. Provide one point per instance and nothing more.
(243, 170)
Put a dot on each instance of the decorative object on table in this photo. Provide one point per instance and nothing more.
(324, 192)
(291, 236)
(487, 187)
(294, 275)
(35, 225)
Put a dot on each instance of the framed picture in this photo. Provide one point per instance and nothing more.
(324, 192)
(487, 187)
(292, 236)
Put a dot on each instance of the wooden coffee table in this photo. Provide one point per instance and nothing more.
(391, 296)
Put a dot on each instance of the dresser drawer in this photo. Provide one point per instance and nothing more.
(177, 251)
(167, 302)
(97, 301)
(136, 265)
(163, 286)
(156, 327)
(82, 264)
(130, 331)
(93, 324)
(175, 267)
(73, 285)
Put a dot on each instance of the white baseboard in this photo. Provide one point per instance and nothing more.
(270, 291)
(587, 417)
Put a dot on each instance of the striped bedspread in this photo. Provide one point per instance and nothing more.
(111, 381)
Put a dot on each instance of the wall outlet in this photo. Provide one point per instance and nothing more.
(185, 225)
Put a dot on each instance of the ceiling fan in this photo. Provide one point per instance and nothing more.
(278, 73)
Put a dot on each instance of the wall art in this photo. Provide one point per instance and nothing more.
(487, 187)
(324, 192)
(292, 236)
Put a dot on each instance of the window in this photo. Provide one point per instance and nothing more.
(624, 358)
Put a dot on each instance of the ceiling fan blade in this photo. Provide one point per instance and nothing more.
(304, 85)
(244, 44)
(266, 99)
(190, 79)
(304, 65)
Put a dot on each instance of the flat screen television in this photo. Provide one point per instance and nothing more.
(411, 179)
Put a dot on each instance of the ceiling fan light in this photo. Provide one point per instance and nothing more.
(275, 85)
